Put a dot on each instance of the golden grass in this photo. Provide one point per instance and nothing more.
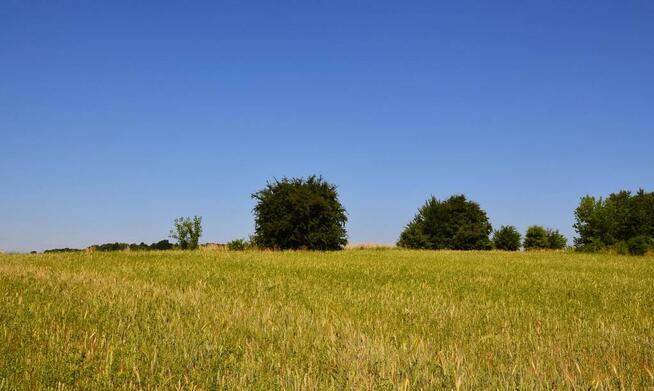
(343, 320)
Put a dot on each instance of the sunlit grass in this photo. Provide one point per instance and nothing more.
(365, 319)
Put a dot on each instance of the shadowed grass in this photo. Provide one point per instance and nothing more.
(376, 319)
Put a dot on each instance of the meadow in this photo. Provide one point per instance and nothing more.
(354, 319)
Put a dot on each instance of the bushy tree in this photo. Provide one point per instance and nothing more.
(612, 222)
(556, 240)
(299, 213)
(507, 238)
(117, 246)
(536, 238)
(540, 238)
(187, 232)
(162, 245)
(455, 223)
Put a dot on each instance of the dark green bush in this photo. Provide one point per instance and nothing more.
(455, 223)
(556, 240)
(536, 238)
(507, 238)
(139, 247)
(238, 245)
(62, 250)
(110, 246)
(639, 245)
(299, 213)
(605, 223)
(162, 245)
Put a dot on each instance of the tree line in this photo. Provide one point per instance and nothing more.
(306, 213)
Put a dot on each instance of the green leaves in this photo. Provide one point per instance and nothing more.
(455, 223)
(187, 232)
(299, 213)
(507, 238)
(613, 222)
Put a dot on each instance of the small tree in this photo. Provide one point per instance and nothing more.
(187, 232)
(161, 245)
(610, 223)
(507, 238)
(536, 238)
(556, 240)
(455, 223)
(299, 213)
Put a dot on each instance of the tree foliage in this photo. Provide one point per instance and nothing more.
(239, 245)
(536, 238)
(612, 222)
(299, 213)
(556, 240)
(187, 231)
(455, 223)
(507, 238)
(638, 245)
(540, 238)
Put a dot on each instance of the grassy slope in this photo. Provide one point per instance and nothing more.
(353, 319)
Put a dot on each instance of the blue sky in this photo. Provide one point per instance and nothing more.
(117, 117)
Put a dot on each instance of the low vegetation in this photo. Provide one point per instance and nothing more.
(364, 319)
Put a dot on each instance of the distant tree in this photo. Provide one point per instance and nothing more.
(299, 213)
(556, 240)
(139, 247)
(116, 246)
(507, 238)
(612, 222)
(62, 250)
(238, 245)
(162, 245)
(536, 238)
(455, 223)
(187, 232)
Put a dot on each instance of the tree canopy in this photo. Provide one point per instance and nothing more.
(299, 213)
(455, 223)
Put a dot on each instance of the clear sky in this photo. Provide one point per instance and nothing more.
(116, 117)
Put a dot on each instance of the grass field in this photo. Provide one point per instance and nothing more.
(356, 319)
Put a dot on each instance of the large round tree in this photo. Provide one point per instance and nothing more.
(299, 213)
(455, 223)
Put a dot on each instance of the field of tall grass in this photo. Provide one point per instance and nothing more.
(355, 319)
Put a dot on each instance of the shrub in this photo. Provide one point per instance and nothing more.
(62, 250)
(187, 232)
(507, 238)
(556, 240)
(536, 238)
(139, 247)
(591, 246)
(299, 213)
(604, 223)
(638, 245)
(116, 246)
(455, 223)
(238, 245)
(162, 245)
